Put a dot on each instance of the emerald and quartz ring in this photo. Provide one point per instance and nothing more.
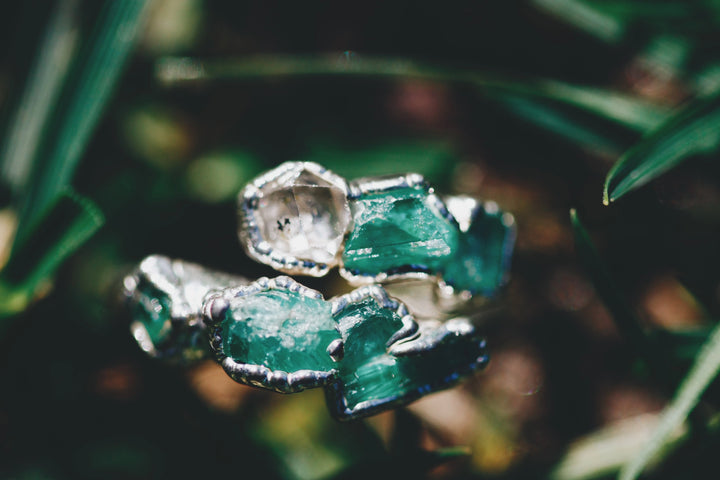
(301, 218)
(363, 348)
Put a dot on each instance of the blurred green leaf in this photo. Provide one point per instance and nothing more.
(90, 83)
(702, 373)
(626, 321)
(564, 124)
(430, 159)
(680, 344)
(631, 112)
(415, 464)
(71, 222)
(613, 21)
(695, 129)
(41, 93)
(586, 17)
(604, 451)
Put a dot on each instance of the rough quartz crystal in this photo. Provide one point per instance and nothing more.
(281, 330)
(397, 231)
(303, 216)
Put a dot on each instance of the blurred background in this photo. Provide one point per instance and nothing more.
(127, 129)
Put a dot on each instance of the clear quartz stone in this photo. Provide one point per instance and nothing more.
(303, 216)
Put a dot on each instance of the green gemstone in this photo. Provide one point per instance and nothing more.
(369, 375)
(281, 330)
(398, 230)
(152, 311)
(367, 372)
(482, 259)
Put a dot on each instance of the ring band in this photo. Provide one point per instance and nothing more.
(364, 348)
(165, 298)
(300, 218)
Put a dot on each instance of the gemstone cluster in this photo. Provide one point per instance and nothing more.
(365, 348)
(302, 218)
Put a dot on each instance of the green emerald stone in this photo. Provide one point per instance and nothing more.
(281, 330)
(398, 230)
(481, 261)
(152, 311)
(368, 374)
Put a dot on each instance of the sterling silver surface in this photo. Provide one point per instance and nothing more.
(174, 290)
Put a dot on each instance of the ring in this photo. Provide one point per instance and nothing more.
(364, 348)
(301, 218)
(165, 299)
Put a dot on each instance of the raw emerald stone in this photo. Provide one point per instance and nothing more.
(367, 372)
(481, 262)
(281, 330)
(369, 375)
(398, 230)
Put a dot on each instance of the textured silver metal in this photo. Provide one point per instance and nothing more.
(431, 334)
(249, 232)
(251, 374)
(183, 287)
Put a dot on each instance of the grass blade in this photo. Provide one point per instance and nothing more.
(695, 129)
(41, 94)
(702, 373)
(86, 93)
(604, 451)
(561, 123)
(626, 321)
(70, 223)
(628, 111)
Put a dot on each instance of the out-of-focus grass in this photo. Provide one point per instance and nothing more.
(55, 117)
(525, 103)
(693, 130)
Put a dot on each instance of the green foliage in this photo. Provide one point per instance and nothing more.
(693, 130)
(704, 370)
(625, 319)
(72, 221)
(500, 100)
(68, 130)
(61, 105)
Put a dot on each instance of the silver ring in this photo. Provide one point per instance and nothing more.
(364, 348)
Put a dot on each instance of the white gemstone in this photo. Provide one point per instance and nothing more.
(302, 215)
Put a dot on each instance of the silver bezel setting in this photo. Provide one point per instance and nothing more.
(373, 185)
(249, 231)
(168, 276)
(255, 375)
